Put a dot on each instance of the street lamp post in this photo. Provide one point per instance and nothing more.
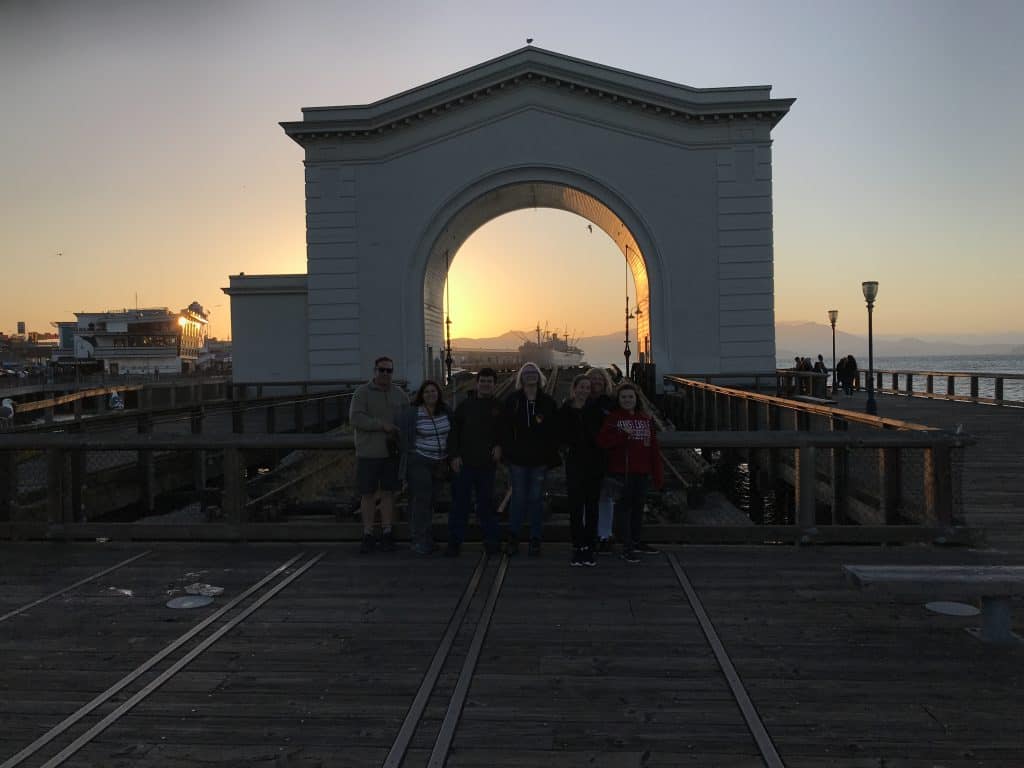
(833, 314)
(870, 288)
(626, 352)
(448, 325)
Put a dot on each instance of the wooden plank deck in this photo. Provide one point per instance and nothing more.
(603, 667)
(993, 479)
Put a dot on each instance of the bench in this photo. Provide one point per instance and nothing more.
(995, 585)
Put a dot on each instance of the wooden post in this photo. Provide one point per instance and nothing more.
(147, 470)
(8, 485)
(74, 511)
(55, 485)
(889, 484)
(938, 485)
(950, 386)
(895, 382)
(999, 390)
(974, 387)
(300, 416)
(233, 496)
(271, 426)
(199, 459)
(878, 382)
(910, 383)
(806, 480)
(321, 412)
(930, 384)
(839, 472)
(237, 417)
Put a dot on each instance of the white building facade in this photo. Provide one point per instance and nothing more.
(151, 340)
(678, 177)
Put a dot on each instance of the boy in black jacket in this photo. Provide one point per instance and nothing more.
(474, 452)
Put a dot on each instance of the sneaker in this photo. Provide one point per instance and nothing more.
(630, 556)
(452, 550)
(368, 544)
(534, 548)
(511, 546)
(577, 557)
(588, 558)
(604, 546)
(645, 549)
(387, 541)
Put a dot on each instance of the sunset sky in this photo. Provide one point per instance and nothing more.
(141, 155)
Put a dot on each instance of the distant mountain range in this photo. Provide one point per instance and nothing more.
(793, 338)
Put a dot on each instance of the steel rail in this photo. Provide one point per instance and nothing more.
(175, 668)
(140, 670)
(419, 703)
(747, 708)
(439, 755)
(77, 584)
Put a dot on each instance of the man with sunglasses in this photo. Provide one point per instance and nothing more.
(376, 407)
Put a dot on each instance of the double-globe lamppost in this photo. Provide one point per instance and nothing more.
(870, 288)
(833, 314)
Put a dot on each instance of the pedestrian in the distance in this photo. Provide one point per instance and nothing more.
(634, 460)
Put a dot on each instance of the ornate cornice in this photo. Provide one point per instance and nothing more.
(537, 68)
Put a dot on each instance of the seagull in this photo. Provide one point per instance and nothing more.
(529, 40)
(6, 411)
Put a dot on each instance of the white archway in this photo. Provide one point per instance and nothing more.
(679, 177)
(517, 189)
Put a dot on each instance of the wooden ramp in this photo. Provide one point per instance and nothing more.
(335, 661)
(993, 479)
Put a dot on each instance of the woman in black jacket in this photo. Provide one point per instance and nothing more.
(529, 446)
(584, 469)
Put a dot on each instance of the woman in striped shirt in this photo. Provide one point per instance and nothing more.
(424, 427)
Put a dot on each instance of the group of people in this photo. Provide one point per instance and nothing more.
(847, 374)
(607, 440)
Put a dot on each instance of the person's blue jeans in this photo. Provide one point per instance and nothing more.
(629, 506)
(467, 483)
(527, 500)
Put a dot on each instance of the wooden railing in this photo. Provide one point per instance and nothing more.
(903, 472)
(945, 385)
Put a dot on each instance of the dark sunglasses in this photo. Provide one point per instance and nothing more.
(385, 370)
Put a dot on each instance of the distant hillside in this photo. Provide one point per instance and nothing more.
(811, 339)
(806, 339)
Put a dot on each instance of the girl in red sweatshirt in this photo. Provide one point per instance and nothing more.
(633, 460)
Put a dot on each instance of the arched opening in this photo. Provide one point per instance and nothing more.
(516, 196)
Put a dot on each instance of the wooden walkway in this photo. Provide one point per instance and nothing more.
(993, 473)
(605, 667)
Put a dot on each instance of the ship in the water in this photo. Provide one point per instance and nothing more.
(551, 350)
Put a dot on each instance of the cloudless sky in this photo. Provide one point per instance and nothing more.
(140, 141)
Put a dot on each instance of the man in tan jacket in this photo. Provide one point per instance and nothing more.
(374, 414)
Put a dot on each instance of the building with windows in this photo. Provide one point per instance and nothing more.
(150, 340)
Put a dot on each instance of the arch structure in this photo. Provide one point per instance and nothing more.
(678, 177)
